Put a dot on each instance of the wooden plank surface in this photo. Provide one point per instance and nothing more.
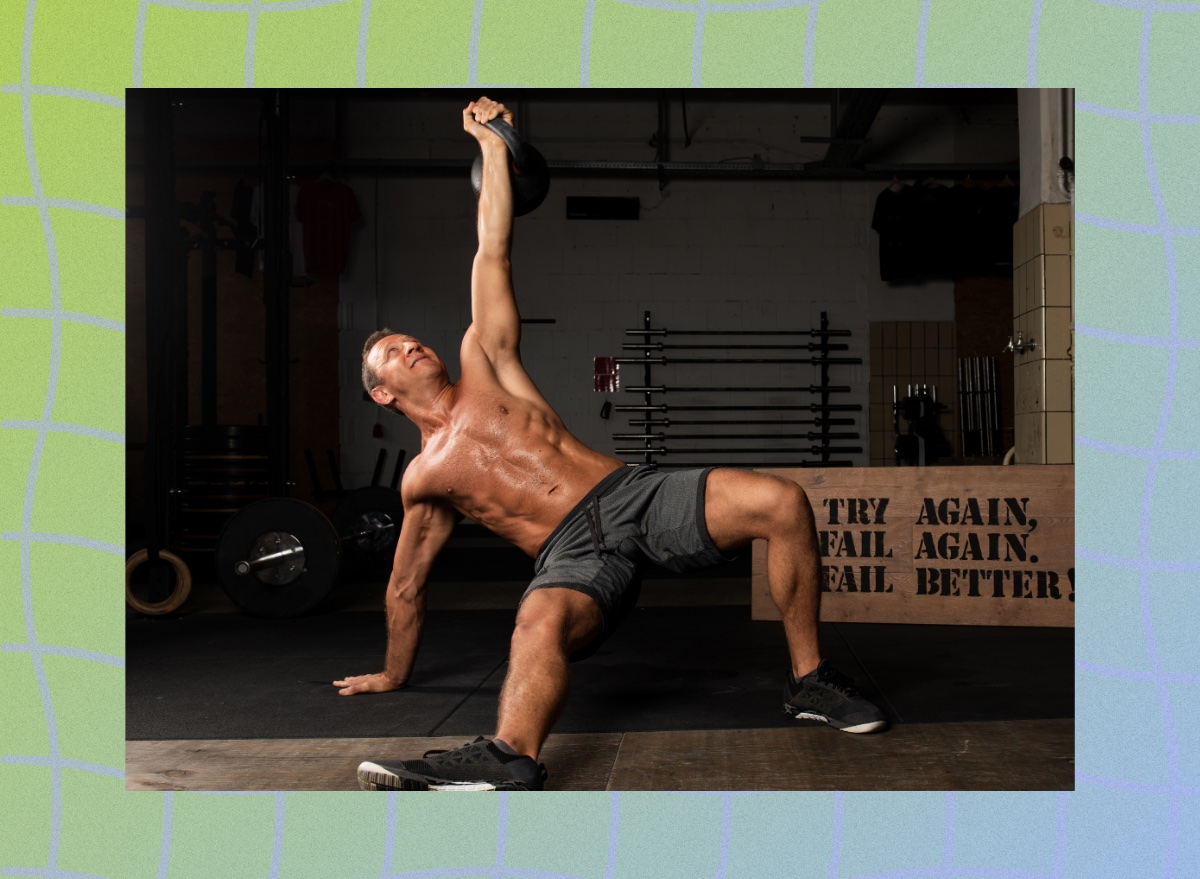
(951, 545)
(1007, 755)
(579, 762)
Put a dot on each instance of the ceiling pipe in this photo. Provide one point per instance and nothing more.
(615, 169)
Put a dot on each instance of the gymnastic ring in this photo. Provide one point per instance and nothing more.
(183, 584)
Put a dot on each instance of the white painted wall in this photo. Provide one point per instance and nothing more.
(705, 255)
(741, 253)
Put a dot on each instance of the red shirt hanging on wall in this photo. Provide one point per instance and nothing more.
(327, 209)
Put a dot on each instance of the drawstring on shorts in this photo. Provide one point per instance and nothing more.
(595, 526)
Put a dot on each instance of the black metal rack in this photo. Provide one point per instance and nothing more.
(196, 475)
(656, 444)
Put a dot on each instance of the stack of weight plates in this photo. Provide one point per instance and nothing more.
(224, 471)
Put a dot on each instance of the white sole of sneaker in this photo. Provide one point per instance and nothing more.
(865, 727)
(372, 776)
(804, 715)
(869, 726)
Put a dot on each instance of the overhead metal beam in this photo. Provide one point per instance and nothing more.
(618, 169)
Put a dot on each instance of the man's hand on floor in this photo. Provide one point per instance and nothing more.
(376, 683)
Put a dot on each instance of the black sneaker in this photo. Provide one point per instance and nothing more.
(479, 765)
(825, 694)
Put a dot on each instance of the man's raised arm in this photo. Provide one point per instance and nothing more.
(495, 321)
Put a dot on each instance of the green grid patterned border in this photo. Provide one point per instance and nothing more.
(64, 68)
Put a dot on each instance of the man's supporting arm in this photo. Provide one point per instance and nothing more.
(425, 530)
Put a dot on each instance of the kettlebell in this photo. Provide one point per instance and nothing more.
(527, 169)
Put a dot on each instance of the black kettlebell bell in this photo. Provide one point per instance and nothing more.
(527, 169)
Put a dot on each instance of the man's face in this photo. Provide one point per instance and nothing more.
(403, 362)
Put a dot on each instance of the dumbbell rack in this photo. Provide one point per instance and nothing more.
(655, 444)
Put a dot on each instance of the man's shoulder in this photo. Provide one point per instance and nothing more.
(496, 358)
(479, 382)
(485, 371)
(474, 352)
(416, 478)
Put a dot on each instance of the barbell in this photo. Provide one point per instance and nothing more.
(280, 557)
(363, 516)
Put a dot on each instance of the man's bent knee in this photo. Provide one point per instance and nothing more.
(747, 506)
(558, 615)
(790, 504)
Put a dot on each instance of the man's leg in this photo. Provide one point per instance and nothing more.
(552, 623)
(741, 506)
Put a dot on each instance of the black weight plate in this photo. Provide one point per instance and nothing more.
(369, 557)
(321, 557)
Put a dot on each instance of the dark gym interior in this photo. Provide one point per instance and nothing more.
(816, 280)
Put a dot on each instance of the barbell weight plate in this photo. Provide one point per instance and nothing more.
(183, 584)
(369, 557)
(285, 554)
(247, 533)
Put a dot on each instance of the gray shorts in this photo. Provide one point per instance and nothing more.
(634, 516)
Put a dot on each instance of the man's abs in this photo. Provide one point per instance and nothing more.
(510, 465)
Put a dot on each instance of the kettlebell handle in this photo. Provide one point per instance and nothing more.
(527, 169)
(512, 140)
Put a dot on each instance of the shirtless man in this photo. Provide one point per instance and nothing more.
(494, 450)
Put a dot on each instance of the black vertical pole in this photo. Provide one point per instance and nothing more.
(276, 278)
(663, 152)
(163, 253)
(208, 309)
(179, 358)
(646, 375)
(339, 125)
(824, 356)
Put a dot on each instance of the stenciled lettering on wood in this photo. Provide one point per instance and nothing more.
(846, 544)
(1008, 543)
(951, 545)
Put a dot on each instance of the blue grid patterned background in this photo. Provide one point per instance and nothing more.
(64, 66)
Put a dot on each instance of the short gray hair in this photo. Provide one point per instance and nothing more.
(370, 378)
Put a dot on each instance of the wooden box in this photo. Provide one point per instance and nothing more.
(950, 545)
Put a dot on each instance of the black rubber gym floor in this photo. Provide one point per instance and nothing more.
(229, 676)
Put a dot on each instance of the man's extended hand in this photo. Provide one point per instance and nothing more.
(376, 683)
(481, 111)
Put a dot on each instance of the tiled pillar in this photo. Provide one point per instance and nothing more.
(1043, 315)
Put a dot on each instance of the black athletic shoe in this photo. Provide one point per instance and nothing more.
(825, 694)
(479, 765)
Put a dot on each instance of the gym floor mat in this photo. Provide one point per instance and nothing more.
(230, 676)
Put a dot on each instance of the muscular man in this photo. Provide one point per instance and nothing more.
(493, 449)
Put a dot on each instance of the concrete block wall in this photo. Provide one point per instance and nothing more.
(737, 254)
(1043, 311)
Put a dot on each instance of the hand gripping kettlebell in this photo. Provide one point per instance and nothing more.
(527, 169)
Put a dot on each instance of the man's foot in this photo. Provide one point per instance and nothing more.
(825, 694)
(479, 765)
